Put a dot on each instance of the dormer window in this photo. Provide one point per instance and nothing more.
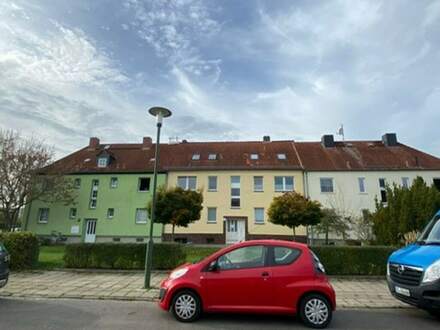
(196, 157)
(281, 156)
(254, 156)
(102, 161)
(212, 156)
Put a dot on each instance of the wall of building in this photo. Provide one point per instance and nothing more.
(125, 199)
(221, 199)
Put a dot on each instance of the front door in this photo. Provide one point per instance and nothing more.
(235, 231)
(90, 236)
(242, 281)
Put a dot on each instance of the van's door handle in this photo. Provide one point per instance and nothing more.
(265, 274)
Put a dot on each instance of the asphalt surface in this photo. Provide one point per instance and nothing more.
(89, 314)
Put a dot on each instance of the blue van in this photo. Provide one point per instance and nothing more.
(413, 272)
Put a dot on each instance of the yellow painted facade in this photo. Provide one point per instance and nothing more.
(249, 200)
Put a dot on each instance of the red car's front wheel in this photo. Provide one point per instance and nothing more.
(186, 306)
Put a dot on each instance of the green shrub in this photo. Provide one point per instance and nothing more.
(197, 253)
(354, 260)
(122, 255)
(23, 248)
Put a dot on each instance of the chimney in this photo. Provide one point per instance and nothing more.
(266, 138)
(328, 141)
(93, 143)
(389, 139)
(147, 142)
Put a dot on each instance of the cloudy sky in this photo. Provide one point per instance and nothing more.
(228, 69)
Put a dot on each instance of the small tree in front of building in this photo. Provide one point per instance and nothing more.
(332, 222)
(177, 207)
(293, 210)
(25, 177)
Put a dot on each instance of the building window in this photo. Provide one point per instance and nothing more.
(212, 214)
(110, 213)
(102, 161)
(361, 183)
(235, 191)
(258, 183)
(77, 183)
(436, 183)
(254, 156)
(283, 183)
(212, 183)
(195, 157)
(141, 216)
(405, 182)
(144, 184)
(72, 213)
(114, 182)
(187, 182)
(326, 185)
(94, 194)
(212, 156)
(281, 156)
(383, 190)
(43, 215)
(259, 215)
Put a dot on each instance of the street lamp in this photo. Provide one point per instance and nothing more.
(159, 113)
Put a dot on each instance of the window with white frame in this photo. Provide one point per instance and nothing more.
(326, 185)
(405, 182)
(258, 183)
(72, 213)
(187, 182)
(284, 183)
(254, 156)
(144, 184)
(141, 216)
(383, 190)
(235, 191)
(212, 156)
(94, 194)
(114, 182)
(102, 161)
(212, 183)
(212, 214)
(259, 215)
(281, 156)
(110, 213)
(195, 157)
(361, 184)
(43, 215)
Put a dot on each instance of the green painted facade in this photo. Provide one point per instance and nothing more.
(124, 199)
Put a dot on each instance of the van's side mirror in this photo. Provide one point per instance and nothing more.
(213, 266)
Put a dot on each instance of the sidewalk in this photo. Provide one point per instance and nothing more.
(350, 293)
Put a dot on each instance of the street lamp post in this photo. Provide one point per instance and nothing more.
(159, 113)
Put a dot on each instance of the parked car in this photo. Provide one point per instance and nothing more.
(4, 266)
(414, 271)
(264, 276)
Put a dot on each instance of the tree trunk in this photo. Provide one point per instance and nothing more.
(326, 237)
(294, 234)
(172, 234)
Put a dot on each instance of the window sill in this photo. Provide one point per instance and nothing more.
(140, 223)
(211, 222)
(235, 207)
(210, 190)
(259, 191)
(259, 223)
(363, 193)
(143, 191)
(327, 192)
(42, 222)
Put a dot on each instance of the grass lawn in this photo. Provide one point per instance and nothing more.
(51, 257)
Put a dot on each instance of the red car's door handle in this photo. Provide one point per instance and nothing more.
(265, 274)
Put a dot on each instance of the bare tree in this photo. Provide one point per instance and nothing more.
(25, 176)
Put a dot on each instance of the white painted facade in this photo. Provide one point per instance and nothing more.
(347, 197)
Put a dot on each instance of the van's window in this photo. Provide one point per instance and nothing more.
(432, 232)
(2, 249)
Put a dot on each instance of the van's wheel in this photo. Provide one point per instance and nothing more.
(434, 312)
(315, 311)
(186, 306)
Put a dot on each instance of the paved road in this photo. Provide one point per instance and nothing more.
(88, 314)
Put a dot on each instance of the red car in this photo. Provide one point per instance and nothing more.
(264, 276)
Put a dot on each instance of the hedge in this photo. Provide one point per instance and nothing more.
(122, 255)
(354, 260)
(23, 248)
